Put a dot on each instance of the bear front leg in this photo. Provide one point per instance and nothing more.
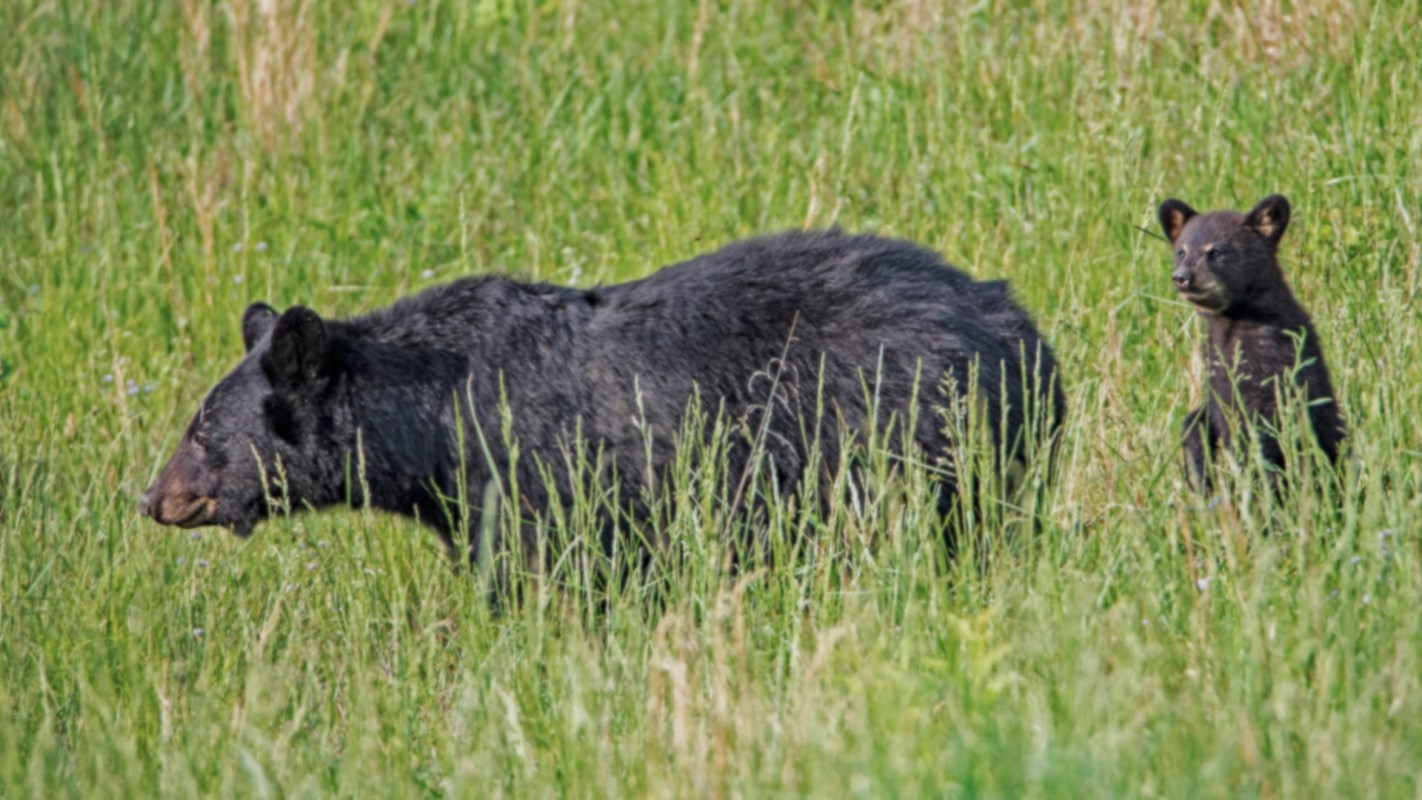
(1199, 438)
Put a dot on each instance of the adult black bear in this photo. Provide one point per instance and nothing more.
(412, 393)
(1260, 339)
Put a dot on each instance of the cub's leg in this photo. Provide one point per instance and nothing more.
(1200, 439)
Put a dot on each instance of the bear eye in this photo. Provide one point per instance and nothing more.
(1180, 253)
(282, 419)
(1213, 255)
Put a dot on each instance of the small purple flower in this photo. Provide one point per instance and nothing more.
(201, 563)
(108, 378)
(237, 248)
(197, 633)
(236, 278)
(261, 247)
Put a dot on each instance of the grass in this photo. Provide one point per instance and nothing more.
(161, 165)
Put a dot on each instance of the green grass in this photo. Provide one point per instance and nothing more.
(162, 164)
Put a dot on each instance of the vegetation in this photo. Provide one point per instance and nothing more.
(162, 164)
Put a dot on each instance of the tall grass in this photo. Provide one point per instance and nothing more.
(162, 165)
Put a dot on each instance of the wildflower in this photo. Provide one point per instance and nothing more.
(108, 378)
(197, 633)
(237, 248)
(427, 274)
(261, 247)
(1203, 584)
(236, 278)
(201, 563)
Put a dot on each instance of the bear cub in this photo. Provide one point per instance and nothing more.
(1260, 340)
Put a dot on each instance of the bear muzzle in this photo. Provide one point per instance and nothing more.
(1201, 290)
(171, 505)
(1182, 279)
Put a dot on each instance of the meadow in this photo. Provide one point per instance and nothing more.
(164, 164)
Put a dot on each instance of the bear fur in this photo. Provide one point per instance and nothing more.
(1259, 338)
(412, 393)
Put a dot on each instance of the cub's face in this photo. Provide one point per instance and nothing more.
(1222, 256)
(255, 434)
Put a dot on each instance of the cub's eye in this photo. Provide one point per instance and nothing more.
(202, 439)
(1213, 255)
(1180, 253)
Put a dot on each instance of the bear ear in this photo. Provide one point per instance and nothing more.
(1173, 216)
(298, 347)
(1270, 218)
(256, 321)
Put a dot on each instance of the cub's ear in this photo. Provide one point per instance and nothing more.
(1270, 218)
(298, 347)
(1173, 216)
(256, 321)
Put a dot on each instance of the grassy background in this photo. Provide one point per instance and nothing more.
(162, 164)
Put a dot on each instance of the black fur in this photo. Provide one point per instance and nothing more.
(1260, 338)
(613, 365)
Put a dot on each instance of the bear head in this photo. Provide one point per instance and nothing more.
(264, 436)
(1224, 258)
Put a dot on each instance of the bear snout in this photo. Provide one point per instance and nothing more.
(1182, 279)
(170, 503)
(145, 503)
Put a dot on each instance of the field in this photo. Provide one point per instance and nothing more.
(164, 164)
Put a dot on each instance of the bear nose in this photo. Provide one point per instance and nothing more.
(145, 503)
(1181, 278)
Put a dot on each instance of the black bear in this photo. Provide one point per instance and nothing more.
(1260, 340)
(412, 394)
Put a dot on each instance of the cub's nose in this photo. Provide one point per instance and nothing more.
(1181, 278)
